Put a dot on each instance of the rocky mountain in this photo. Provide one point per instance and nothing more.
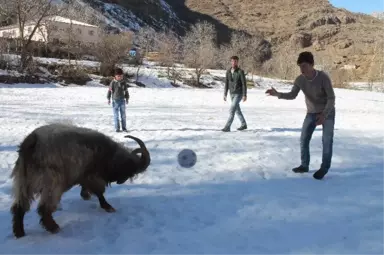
(339, 38)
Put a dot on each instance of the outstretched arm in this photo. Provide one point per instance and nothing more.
(289, 95)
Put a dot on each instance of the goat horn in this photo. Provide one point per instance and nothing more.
(145, 157)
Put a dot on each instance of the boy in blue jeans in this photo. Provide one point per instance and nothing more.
(320, 101)
(118, 89)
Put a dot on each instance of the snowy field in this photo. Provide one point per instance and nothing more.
(240, 197)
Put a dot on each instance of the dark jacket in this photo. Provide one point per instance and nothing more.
(235, 83)
(118, 90)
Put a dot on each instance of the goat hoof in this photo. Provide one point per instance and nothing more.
(110, 209)
(19, 234)
(50, 226)
(86, 197)
(54, 229)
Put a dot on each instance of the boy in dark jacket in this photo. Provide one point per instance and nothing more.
(236, 84)
(118, 89)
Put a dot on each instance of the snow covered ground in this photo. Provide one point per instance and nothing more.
(240, 197)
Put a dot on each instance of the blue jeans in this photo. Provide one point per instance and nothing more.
(118, 105)
(235, 108)
(309, 126)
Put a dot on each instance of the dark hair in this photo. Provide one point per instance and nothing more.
(305, 57)
(235, 58)
(118, 71)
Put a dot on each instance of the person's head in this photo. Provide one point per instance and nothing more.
(234, 61)
(118, 74)
(306, 62)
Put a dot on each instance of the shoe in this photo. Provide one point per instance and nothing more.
(124, 130)
(242, 128)
(300, 169)
(226, 130)
(117, 130)
(319, 174)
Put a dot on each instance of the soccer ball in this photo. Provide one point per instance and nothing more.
(187, 158)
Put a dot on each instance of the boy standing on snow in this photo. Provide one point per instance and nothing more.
(118, 89)
(320, 102)
(236, 84)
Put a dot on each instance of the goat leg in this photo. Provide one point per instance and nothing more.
(97, 186)
(47, 220)
(50, 198)
(104, 204)
(84, 193)
(18, 213)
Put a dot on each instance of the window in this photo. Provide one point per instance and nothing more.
(78, 31)
(91, 32)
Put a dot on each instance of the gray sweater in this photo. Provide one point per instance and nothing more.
(118, 90)
(319, 94)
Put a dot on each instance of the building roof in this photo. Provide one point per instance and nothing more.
(52, 18)
(67, 20)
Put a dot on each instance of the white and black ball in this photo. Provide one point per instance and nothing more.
(187, 158)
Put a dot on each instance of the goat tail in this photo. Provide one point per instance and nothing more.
(21, 190)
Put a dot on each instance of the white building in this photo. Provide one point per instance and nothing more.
(56, 29)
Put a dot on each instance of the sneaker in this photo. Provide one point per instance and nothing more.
(242, 128)
(319, 174)
(300, 169)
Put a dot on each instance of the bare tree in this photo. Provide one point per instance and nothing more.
(283, 65)
(146, 39)
(31, 13)
(73, 43)
(168, 46)
(199, 48)
(112, 49)
(248, 48)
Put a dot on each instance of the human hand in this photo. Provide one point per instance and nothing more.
(109, 101)
(126, 101)
(225, 98)
(320, 119)
(244, 98)
(272, 91)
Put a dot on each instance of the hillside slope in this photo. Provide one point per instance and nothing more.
(338, 37)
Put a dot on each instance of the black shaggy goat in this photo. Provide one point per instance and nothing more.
(55, 157)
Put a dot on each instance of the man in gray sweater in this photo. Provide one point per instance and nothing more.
(118, 89)
(320, 102)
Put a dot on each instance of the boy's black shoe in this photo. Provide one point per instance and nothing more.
(242, 128)
(117, 130)
(300, 169)
(124, 130)
(319, 174)
(226, 130)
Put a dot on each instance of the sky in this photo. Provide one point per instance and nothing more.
(364, 6)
